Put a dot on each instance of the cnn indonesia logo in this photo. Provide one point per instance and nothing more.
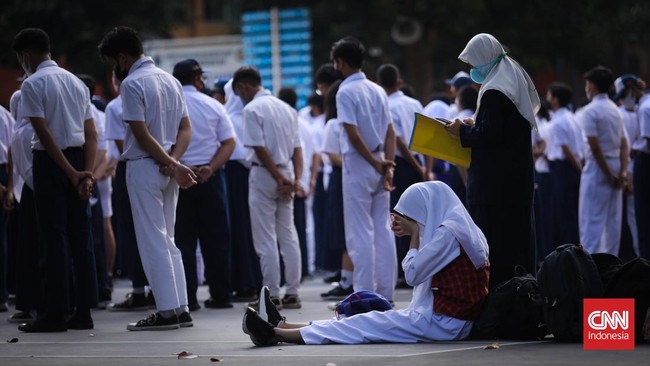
(608, 324)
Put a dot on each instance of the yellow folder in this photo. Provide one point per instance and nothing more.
(430, 138)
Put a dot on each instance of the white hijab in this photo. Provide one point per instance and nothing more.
(507, 76)
(434, 204)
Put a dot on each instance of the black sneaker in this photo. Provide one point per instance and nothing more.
(155, 321)
(133, 302)
(194, 306)
(216, 304)
(185, 320)
(268, 311)
(291, 302)
(256, 304)
(80, 322)
(337, 293)
(244, 296)
(260, 331)
(22, 317)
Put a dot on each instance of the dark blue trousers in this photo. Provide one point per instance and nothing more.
(642, 201)
(565, 188)
(300, 221)
(246, 272)
(127, 244)
(202, 215)
(63, 222)
(28, 282)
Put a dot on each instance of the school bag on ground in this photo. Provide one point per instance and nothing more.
(566, 277)
(608, 265)
(632, 280)
(512, 310)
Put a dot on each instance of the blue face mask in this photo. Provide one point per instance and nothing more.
(480, 72)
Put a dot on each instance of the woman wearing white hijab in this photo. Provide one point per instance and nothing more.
(447, 265)
(500, 176)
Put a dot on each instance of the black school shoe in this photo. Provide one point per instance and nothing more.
(185, 320)
(216, 304)
(133, 302)
(337, 293)
(260, 331)
(155, 321)
(46, 324)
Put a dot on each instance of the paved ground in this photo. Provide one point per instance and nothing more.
(217, 334)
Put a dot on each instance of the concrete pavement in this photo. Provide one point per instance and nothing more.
(217, 335)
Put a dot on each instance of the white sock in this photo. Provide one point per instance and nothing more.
(182, 309)
(346, 279)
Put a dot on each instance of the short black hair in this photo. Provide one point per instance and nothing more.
(316, 100)
(89, 81)
(33, 40)
(289, 96)
(121, 40)
(349, 49)
(467, 96)
(330, 101)
(387, 75)
(562, 92)
(327, 74)
(602, 77)
(247, 74)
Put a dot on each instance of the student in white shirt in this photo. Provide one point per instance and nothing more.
(408, 168)
(65, 144)
(271, 130)
(565, 161)
(368, 150)
(605, 172)
(159, 132)
(6, 131)
(202, 211)
(642, 177)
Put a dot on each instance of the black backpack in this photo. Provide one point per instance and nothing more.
(632, 280)
(512, 310)
(566, 277)
(608, 265)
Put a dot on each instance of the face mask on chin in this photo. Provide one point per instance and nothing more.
(25, 65)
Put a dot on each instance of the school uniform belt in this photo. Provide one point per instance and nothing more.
(281, 166)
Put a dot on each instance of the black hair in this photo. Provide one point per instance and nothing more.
(349, 49)
(330, 101)
(408, 91)
(33, 40)
(562, 92)
(467, 97)
(247, 74)
(316, 100)
(289, 96)
(185, 78)
(327, 74)
(89, 81)
(602, 77)
(387, 75)
(121, 40)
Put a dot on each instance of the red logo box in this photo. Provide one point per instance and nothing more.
(608, 324)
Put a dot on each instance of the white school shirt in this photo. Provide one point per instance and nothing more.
(210, 126)
(333, 136)
(100, 125)
(154, 96)
(61, 99)
(364, 104)
(641, 144)
(402, 111)
(562, 131)
(115, 125)
(21, 151)
(6, 132)
(436, 108)
(309, 148)
(271, 123)
(602, 119)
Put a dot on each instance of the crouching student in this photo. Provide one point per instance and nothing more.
(447, 265)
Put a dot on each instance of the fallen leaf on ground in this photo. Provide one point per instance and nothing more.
(12, 340)
(186, 355)
(214, 359)
(492, 346)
